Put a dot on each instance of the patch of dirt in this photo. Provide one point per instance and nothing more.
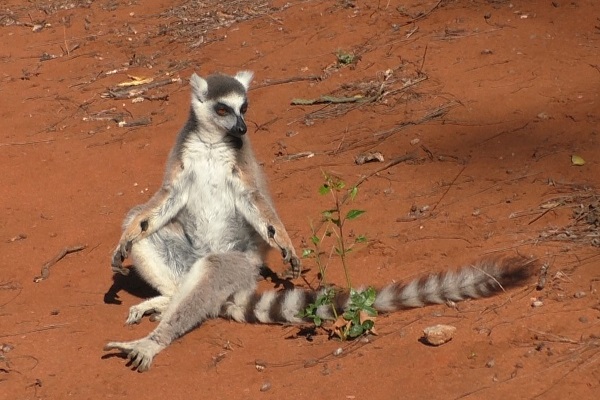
(492, 98)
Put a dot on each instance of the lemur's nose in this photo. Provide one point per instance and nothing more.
(241, 126)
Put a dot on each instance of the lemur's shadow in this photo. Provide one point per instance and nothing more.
(136, 286)
(132, 284)
(278, 282)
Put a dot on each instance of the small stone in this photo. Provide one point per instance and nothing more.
(338, 351)
(540, 346)
(369, 156)
(415, 141)
(579, 295)
(537, 303)
(583, 320)
(260, 365)
(265, 386)
(543, 116)
(438, 334)
(491, 363)
(5, 347)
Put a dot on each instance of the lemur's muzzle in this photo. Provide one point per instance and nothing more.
(239, 129)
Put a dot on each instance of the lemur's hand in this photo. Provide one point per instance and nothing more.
(281, 240)
(119, 255)
(289, 256)
(134, 232)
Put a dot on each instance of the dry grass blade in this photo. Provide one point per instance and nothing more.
(195, 22)
(585, 217)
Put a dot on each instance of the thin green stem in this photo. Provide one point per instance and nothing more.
(340, 236)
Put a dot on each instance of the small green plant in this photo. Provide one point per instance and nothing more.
(310, 312)
(359, 316)
(345, 58)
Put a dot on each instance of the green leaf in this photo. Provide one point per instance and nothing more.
(315, 239)
(307, 253)
(368, 325)
(355, 330)
(349, 315)
(317, 320)
(371, 294)
(339, 185)
(370, 310)
(352, 214)
(360, 239)
(353, 192)
(324, 189)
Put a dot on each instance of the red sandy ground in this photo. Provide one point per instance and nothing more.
(511, 92)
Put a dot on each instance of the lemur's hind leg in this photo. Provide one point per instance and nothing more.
(204, 289)
(161, 260)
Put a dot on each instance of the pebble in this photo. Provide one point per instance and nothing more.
(438, 334)
(260, 365)
(265, 386)
(537, 303)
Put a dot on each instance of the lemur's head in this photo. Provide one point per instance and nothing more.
(220, 102)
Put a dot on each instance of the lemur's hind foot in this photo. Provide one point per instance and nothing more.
(140, 353)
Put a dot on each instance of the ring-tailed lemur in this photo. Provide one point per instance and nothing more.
(213, 200)
(200, 240)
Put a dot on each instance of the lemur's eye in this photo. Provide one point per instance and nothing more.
(244, 108)
(221, 110)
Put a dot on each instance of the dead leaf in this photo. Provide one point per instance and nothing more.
(577, 160)
(364, 316)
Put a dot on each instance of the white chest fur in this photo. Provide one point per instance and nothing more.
(211, 216)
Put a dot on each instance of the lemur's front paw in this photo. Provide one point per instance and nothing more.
(287, 251)
(120, 254)
(289, 256)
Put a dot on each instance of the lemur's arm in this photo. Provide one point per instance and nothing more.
(260, 213)
(156, 213)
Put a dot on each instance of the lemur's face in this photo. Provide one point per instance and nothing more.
(221, 101)
(229, 113)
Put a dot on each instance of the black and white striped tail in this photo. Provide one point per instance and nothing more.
(483, 279)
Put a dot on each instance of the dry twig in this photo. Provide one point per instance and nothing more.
(45, 272)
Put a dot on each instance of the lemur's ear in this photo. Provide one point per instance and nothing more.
(199, 87)
(244, 77)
